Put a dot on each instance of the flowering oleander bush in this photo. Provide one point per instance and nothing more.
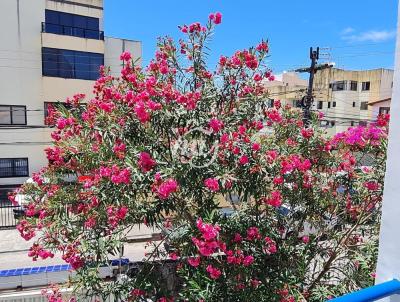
(162, 146)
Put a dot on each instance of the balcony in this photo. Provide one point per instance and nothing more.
(72, 31)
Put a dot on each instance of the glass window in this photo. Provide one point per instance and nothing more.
(52, 17)
(18, 114)
(92, 23)
(384, 110)
(50, 62)
(71, 64)
(333, 104)
(353, 85)
(5, 115)
(12, 115)
(319, 106)
(364, 106)
(14, 167)
(329, 104)
(339, 85)
(72, 25)
(354, 104)
(365, 86)
(66, 63)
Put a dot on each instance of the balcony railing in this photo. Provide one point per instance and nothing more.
(72, 31)
(372, 293)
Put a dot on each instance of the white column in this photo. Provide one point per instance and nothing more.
(389, 247)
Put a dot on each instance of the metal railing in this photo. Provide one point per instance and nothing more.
(72, 31)
(372, 293)
(9, 215)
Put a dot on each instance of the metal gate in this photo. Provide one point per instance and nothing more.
(8, 212)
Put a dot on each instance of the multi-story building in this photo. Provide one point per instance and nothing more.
(287, 87)
(344, 96)
(49, 50)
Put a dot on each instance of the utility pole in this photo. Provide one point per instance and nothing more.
(308, 99)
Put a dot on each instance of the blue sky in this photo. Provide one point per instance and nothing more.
(360, 33)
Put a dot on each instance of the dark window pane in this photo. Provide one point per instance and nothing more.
(353, 85)
(78, 32)
(13, 167)
(54, 28)
(364, 106)
(52, 17)
(18, 115)
(66, 64)
(80, 21)
(82, 66)
(66, 19)
(5, 115)
(50, 62)
(92, 23)
(365, 86)
(92, 34)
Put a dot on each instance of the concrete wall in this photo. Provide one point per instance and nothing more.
(114, 47)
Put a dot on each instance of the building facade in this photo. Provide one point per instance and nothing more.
(49, 50)
(345, 96)
(287, 87)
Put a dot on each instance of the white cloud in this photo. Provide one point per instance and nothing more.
(370, 36)
(347, 30)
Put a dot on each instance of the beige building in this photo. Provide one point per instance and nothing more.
(49, 50)
(287, 87)
(344, 96)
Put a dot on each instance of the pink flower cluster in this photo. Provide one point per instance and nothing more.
(213, 272)
(116, 174)
(275, 199)
(116, 215)
(145, 162)
(216, 125)
(208, 243)
(212, 184)
(166, 188)
(37, 251)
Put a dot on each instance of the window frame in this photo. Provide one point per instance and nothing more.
(336, 84)
(11, 115)
(364, 86)
(320, 105)
(352, 84)
(14, 159)
(70, 73)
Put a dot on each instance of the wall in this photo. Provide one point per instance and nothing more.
(114, 47)
(20, 78)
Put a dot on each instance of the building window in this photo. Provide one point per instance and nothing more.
(333, 104)
(384, 110)
(72, 25)
(352, 123)
(365, 86)
(12, 115)
(4, 191)
(333, 123)
(364, 106)
(71, 64)
(339, 85)
(354, 104)
(329, 104)
(362, 123)
(320, 105)
(353, 85)
(14, 167)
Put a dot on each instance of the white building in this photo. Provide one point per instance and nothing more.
(344, 96)
(49, 50)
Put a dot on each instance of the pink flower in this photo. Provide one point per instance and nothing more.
(214, 272)
(305, 239)
(257, 77)
(278, 180)
(275, 199)
(253, 233)
(173, 256)
(208, 231)
(194, 261)
(216, 125)
(307, 132)
(371, 185)
(166, 188)
(212, 184)
(125, 56)
(256, 147)
(145, 162)
(248, 260)
(243, 160)
(217, 18)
